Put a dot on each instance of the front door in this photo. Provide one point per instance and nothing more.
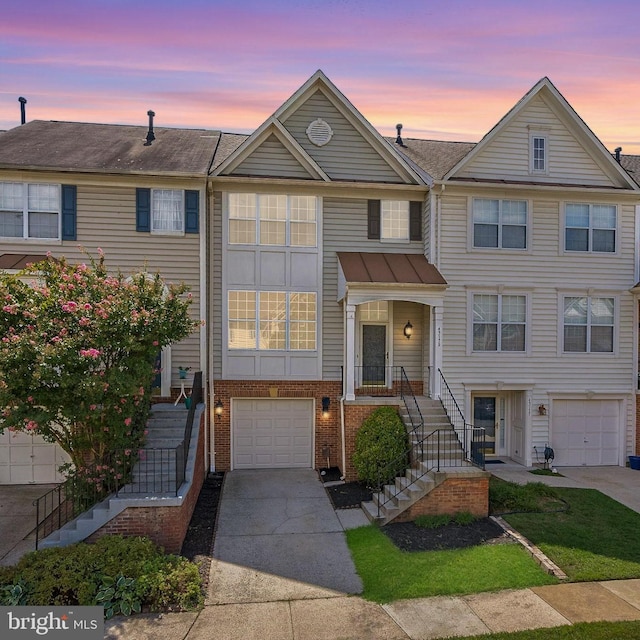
(488, 412)
(374, 355)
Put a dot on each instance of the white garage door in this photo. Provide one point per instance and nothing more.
(26, 459)
(586, 432)
(270, 433)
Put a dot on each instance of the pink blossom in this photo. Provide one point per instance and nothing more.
(155, 343)
(127, 421)
(29, 398)
(93, 407)
(86, 306)
(31, 425)
(89, 353)
(70, 306)
(84, 321)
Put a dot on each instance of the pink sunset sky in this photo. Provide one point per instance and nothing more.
(447, 70)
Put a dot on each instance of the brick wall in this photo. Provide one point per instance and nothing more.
(327, 429)
(452, 496)
(166, 526)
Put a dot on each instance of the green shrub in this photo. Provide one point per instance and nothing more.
(464, 518)
(432, 522)
(83, 574)
(380, 447)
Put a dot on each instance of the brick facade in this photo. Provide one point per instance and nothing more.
(166, 526)
(453, 495)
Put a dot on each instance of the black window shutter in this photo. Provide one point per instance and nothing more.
(143, 209)
(191, 211)
(415, 221)
(69, 212)
(373, 222)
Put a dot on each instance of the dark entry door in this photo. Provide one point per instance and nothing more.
(484, 415)
(374, 354)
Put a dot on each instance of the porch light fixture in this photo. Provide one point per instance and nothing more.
(218, 407)
(408, 330)
(325, 406)
(542, 410)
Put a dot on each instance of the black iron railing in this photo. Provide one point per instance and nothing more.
(149, 471)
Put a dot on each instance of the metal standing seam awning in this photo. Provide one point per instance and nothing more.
(18, 261)
(365, 276)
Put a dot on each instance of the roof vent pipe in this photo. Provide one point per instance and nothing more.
(150, 135)
(399, 137)
(618, 151)
(23, 114)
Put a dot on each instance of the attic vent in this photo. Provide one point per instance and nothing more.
(319, 132)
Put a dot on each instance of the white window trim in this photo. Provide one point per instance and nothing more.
(589, 252)
(470, 227)
(537, 133)
(499, 291)
(287, 221)
(25, 215)
(406, 240)
(591, 293)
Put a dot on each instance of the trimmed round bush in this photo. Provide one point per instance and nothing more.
(381, 448)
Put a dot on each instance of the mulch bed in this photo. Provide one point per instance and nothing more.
(198, 543)
(348, 495)
(409, 537)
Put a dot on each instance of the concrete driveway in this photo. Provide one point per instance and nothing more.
(18, 519)
(278, 538)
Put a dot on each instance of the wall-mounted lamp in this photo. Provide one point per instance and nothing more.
(542, 410)
(218, 407)
(408, 330)
(326, 402)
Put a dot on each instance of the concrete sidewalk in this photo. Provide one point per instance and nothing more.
(352, 617)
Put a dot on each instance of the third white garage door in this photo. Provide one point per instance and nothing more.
(269, 433)
(586, 432)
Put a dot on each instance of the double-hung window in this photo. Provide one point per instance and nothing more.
(272, 320)
(590, 227)
(588, 324)
(499, 224)
(29, 210)
(167, 211)
(499, 322)
(395, 219)
(276, 220)
(538, 154)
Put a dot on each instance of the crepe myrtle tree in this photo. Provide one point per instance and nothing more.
(77, 357)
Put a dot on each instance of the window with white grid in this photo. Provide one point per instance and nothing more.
(285, 321)
(588, 324)
(242, 319)
(37, 205)
(500, 224)
(395, 219)
(499, 322)
(167, 210)
(590, 227)
(273, 219)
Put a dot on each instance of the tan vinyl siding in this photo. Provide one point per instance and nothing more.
(345, 229)
(216, 286)
(407, 353)
(348, 156)
(507, 155)
(544, 274)
(106, 218)
(272, 159)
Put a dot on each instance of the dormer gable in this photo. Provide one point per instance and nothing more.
(542, 140)
(327, 136)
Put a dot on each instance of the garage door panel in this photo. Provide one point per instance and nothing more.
(272, 433)
(586, 432)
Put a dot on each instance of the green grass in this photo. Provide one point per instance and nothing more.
(597, 538)
(390, 574)
(581, 631)
(507, 497)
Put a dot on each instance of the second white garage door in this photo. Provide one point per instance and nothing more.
(269, 433)
(586, 432)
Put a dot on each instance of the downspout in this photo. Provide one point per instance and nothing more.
(342, 437)
(204, 305)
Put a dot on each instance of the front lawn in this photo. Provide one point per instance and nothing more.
(596, 538)
(390, 574)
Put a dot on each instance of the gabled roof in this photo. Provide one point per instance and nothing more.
(85, 147)
(589, 141)
(319, 81)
